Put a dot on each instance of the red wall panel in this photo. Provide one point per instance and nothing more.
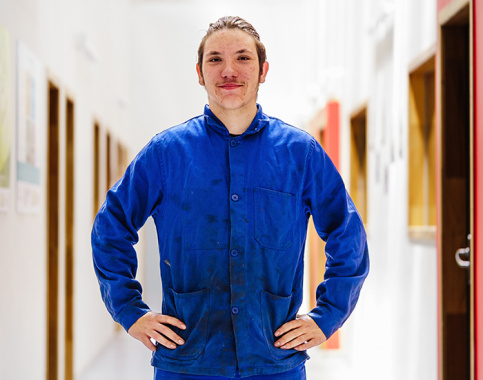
(442, 4)
(332, 132)
(478, 149)
(325, 125)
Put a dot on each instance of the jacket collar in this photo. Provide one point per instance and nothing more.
(259, 121)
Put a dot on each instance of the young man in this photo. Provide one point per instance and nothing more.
(231, 192)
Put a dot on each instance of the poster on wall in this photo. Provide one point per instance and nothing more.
(29, 93)
(5, 119)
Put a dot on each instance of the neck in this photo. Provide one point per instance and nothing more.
(236, 121)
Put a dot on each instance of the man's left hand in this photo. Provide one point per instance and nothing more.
(299, 334)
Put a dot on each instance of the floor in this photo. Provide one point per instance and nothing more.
(127, 359)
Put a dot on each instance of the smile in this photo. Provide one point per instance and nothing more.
(230, 86)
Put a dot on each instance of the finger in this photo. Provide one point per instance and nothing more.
(295, 342)
(311, 341)
(292, 339)
(305, 346)
(170, 334)
(291, 335)
(287, 327)
(147, 342)
(166, 319)
(161, 339)
(287, 338)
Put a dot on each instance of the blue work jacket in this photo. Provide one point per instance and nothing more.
(231, 215)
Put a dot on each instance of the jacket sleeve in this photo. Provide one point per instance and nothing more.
(128, 205)
(339, 224)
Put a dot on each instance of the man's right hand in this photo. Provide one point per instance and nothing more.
(153, 326)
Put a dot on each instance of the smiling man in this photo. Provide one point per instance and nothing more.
(231, 192)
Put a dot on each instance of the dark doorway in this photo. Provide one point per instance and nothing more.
(455, 222)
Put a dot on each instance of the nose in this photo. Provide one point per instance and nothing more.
(229, 69)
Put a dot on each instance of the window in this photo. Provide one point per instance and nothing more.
(96, 168)
(358, 177)
(421, 154)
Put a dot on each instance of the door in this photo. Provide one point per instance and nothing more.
(456, 197)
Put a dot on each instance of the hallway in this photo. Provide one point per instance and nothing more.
(390, 89)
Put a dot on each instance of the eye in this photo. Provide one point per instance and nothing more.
(214, 59)
(244, 58)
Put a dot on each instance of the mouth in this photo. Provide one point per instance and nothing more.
(230, 86)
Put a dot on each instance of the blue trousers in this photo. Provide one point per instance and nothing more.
(298, 373)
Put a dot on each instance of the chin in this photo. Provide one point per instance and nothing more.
(230, 105)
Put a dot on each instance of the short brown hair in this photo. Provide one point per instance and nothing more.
(233, 22)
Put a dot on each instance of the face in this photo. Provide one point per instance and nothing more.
(231, 73)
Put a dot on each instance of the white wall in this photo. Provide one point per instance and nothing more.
(51, 29)
(23, 316)
(167, 34)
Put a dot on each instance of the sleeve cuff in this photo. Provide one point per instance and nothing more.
(131, 313)
(326, 322)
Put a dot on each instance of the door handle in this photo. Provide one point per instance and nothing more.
(462, 257)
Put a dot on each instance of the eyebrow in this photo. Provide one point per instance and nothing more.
(241, 51)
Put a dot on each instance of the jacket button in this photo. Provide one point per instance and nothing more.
(235, 197)
(234, 252)
(234, 310)
(233, 143)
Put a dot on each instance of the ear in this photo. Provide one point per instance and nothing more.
(200, 75)
(264, 72)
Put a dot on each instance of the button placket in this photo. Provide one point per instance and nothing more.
(238, 233)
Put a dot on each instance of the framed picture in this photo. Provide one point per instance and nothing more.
(30, 82)
(5, 119)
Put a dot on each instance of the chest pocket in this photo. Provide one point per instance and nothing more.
(206, 220)
(274, 215)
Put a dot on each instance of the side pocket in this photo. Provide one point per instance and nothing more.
(275, 312)
(193, 310)
(274, 215)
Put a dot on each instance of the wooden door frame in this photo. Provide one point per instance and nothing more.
(60, 231)
(52, 218)
(69, 236)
